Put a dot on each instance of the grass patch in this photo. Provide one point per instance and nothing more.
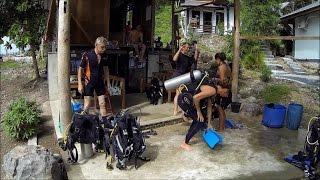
(276, 93)
(10, 64)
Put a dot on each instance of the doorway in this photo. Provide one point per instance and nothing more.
(207, 22)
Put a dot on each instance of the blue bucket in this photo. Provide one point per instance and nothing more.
(294, 116)
(76, 107)
(212, 138)
(273, 115)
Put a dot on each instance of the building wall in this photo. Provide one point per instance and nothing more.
(307, 49)
(231, 18)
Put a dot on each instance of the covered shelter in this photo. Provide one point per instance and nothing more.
(73, 26)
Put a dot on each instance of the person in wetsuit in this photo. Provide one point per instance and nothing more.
(190, 104)
(91, 68)
(183, 65)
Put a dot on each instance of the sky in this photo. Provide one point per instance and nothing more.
(3, 49)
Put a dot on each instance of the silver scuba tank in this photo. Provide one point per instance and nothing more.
(182, 79)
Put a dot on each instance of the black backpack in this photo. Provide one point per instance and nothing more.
(127, 140)
(154, 91)
(85, 129)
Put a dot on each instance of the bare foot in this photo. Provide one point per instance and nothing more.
(175, 113)
(185, 119)
(185, 146)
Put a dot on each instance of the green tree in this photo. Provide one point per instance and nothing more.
(24, 22)
(260, 17)
(163, 22)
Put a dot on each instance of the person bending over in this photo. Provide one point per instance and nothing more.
(191, 107)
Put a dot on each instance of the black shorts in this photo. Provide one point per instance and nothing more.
(223, 102)
(99, 87)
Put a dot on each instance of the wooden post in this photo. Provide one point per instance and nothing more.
(172, 26)
(236, 51)
(64, 64)
(153, 21)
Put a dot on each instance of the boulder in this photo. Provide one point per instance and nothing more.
(32, 162)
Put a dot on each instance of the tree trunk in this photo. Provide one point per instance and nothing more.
(34, 62)
(236, 51)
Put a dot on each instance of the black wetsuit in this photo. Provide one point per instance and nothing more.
(94, 75)
(183, 65)
(190, 110)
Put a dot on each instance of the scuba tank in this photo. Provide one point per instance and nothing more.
(182, 79)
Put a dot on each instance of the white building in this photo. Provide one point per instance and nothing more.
(305, 22)
(205, 16)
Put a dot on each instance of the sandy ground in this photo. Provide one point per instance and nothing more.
(255, 152)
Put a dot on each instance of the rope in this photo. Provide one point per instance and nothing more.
(206, 75)
(181, 87)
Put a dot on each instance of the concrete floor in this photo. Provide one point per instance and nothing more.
(255, 152)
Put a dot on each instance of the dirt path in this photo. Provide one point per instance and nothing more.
(15, 83)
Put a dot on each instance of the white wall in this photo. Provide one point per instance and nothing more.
(231, 18)
(307, 49)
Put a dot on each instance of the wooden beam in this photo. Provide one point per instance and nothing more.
(236, 51)
(280, 37)
(193, 7)
(81, 28)
(173, 37)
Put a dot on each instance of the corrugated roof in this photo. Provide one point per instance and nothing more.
(215, 3)
(314, 5)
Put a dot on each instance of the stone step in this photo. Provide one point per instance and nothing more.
(304, 79)
(274, 66)
(269, 56)
(268, 52)
(160, 122)
(300, 72)
(279, 72)
(270, 59)
(289, 79)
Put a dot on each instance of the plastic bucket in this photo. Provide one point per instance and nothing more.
(294, 116)
(273, 115)
(235, 107)
(76, 107)
(212, 138)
